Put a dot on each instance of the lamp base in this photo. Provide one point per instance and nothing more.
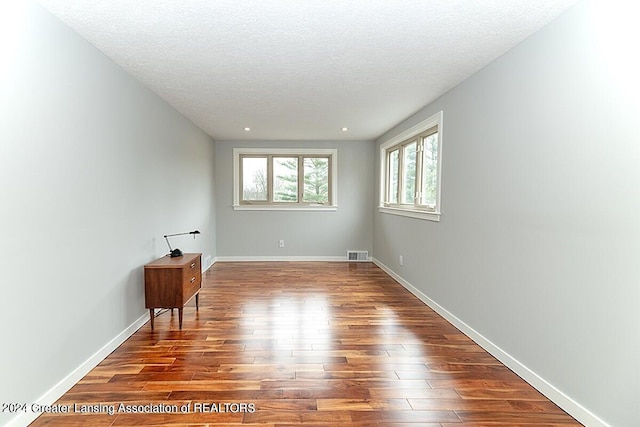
(175, 253)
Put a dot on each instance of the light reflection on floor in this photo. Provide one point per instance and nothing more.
(290, 326)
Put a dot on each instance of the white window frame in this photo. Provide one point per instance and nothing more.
(332, 154)
(414, 210)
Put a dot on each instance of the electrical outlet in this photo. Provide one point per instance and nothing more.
(281, 244)
(401, 260)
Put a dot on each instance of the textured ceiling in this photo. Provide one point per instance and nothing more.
(303, 69)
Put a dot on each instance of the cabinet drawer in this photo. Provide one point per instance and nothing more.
(194, 266)
(189, 291)
(192, 279)
(191, 273)
(191, 284)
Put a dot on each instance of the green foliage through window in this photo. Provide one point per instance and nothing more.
(316, 180)
(286, 179)
(285, 182)
(412, 172)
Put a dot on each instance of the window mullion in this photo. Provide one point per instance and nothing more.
(269, 179)
(300, 178)
(330, 180)
(241, 179)
(400, 174)
(398, 177)
(417, 200)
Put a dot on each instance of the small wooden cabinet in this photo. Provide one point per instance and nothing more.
(171, 283)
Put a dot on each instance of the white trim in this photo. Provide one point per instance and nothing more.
(332, 152)
(25, 418)
(411, 213)
(283, 258)
(573, 408)
(206, 268)
(258, 207)
(295, 151)
(435, 120)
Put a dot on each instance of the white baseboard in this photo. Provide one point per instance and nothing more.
(25, 418)
(281, 258)
(206, 268)
(565, 402)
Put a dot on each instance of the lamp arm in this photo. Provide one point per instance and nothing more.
(176, 234)
(169, 244)
(182, 234)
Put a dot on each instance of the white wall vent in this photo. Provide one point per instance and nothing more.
(358, 256)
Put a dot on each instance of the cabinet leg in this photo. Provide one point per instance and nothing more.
(152, 316)
(180, 317)
(197, 297)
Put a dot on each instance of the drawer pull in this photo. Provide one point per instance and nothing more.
(193, 264)
(193, 279)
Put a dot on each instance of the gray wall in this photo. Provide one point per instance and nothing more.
(308, 234)
(94, 169)
(538, 248)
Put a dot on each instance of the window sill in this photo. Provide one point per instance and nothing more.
(316, 208)
(411, 213)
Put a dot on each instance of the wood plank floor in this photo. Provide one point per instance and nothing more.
(313, 344)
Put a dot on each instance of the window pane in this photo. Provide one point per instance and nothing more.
(430, 170)
(316, 180)
(285, 179)
(394, 164)
(409, 173)
(254, 178)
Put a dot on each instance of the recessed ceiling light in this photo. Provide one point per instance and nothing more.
(345, 129)
(247, 129)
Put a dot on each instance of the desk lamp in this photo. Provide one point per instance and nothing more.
(177, 252)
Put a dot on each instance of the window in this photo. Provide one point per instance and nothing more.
(284, 179)
(410, 171)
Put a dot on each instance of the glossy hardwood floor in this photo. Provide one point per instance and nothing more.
(313, 344)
